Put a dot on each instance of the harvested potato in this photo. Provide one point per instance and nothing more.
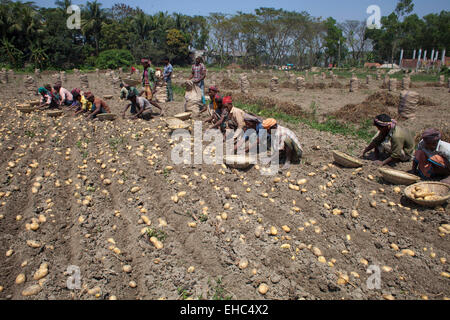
(263, 288)
(31, 290)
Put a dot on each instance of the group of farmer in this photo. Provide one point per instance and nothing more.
(393, 143)
(81, 102)
(224, 115)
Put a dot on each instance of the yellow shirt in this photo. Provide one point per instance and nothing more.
(85, 105)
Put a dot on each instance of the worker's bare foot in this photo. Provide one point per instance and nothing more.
(286, 166)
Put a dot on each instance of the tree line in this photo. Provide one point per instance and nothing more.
(37, 37)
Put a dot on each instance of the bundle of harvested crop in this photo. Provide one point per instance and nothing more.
(354, 84)
(274, 85)
(244, 83)
(84, 81)
(300, 84)
(409, 100)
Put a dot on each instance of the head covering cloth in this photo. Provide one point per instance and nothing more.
(431, 135)
(226, 100)
(269, 123)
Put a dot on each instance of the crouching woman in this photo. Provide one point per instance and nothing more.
(432, 158)
(392, 141)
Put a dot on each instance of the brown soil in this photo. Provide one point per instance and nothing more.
(136, 154)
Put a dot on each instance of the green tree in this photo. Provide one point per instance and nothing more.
(177, 46)
(334, 41)
(113, 59)
(93, 16)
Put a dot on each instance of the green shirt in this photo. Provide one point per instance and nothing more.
(132, 89)
(150, 77)
(402, 142)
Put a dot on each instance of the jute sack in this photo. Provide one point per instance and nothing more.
(76, 72)
(84, 81)
(334, 78)
(300, 84)
(392, 84)
(274, 85)
(354, 84)
(290, 77)
(386, 81)
(324, 76)
(409, 100)
(30, 85)
(3, 76)
(442, 80)
(116, 82)
(56, 77)
(244, 83)
(193, 98)
(63, 76)
(161, 92)
(378, 75)
(406, 83)
(37, 73)
(315, 78)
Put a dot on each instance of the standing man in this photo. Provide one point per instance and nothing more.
(168, 70)
(148, 79)
(198, 76)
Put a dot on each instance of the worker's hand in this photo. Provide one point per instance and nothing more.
(378, 163)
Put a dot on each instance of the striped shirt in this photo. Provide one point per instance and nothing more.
(198, 71)
(282, 133)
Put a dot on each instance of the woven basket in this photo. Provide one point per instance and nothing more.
(346, 160)
(55, 113)
(174, 124)
(25, 108)
(440, 189)
(398, 177)
(108, 97)
(131, 82)
(183, 116)
(107, 116)
(238, 161)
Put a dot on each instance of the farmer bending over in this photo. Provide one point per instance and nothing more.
(432, 158)
(98, 105)
(391, 139)
(288, 145)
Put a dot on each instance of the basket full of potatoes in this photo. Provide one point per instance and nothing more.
(429, 194)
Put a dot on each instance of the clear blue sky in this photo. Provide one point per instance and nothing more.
(339, 9)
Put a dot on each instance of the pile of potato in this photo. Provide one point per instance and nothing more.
(422, 193)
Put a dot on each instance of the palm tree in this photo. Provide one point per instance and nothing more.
(91, 25)
(7, 48)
